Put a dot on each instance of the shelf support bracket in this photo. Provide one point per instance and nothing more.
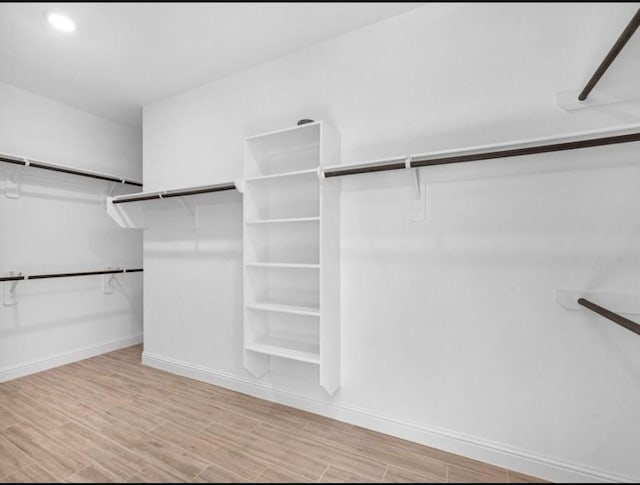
(415, 176)
(419, 192)
(107, 282)
(13, 183)
(110, 192)
(193, 212)
(9, 298)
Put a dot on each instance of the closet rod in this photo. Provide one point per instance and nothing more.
(626, 34)
(614, 317)
(429, 160)
(65, 275)
(165, 194)
(73, 171)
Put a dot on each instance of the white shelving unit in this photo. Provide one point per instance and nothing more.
(291, 251)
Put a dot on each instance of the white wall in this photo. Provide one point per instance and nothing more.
(59, 224)
(450, 330)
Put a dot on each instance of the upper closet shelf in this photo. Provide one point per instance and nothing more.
(533, 146)
(24, 162)
(286, 152)
(167, 194)
(127, 214)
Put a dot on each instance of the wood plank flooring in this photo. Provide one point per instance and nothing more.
(110, 419)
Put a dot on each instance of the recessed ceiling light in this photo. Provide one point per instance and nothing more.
(61, 22)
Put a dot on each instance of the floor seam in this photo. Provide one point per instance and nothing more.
(386, 470)
(323, 473)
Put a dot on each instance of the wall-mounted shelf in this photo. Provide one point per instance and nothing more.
(27, 163)
(533, 146)
(129, 210)
(167, 194)
(291, 223)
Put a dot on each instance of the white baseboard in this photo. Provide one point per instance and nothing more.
(453, 442)
(25, 368)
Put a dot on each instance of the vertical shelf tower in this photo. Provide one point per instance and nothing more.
(291, 251)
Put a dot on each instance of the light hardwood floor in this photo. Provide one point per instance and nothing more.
(109, 418)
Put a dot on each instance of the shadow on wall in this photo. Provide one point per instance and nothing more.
(106, 244)
(215, 233)
(611, 339)
(229, 251)
(92, 199)
(37, 300)
(65, 188)
(17, 328)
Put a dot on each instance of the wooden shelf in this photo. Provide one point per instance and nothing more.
(284, 221)
(288, 349)
(284, 265)
(294, 309)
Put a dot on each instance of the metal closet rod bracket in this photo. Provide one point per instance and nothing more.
(415, 176)
(9, 293)
(419, 209)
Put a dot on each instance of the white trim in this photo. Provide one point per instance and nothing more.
(31, 367)
(451, 441)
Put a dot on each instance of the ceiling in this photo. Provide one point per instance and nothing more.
(125, 55)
